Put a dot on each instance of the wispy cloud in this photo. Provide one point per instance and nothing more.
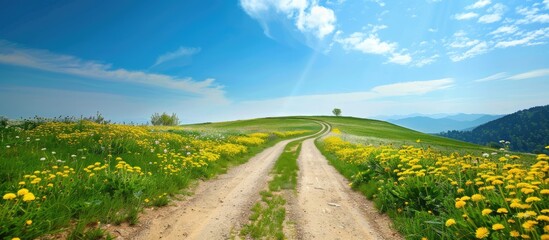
(495, 14)
(493, 77)
(426, 60)
(370, 43)
(532, 74)
(479, 4)
(308, 16)
(526, 38)
(532, 15)
(179, 53)
(14, 54)
(520, 76)
(465, 16)
(477, 49)
(503, 30)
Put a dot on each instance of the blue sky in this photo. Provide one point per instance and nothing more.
(225, 60)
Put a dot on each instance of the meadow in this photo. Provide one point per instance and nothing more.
(68, 179)
(71, 179)
(432, 192)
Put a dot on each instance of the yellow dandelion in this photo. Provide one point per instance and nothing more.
(543, 218)
(460, 204)
(502, 210)
(28, 222)
(482, 232)
(22, 192)
(486, 211)
(533, 199)
(9, 196)
(528, 225)
(497, 226)
(544, 191)
(147, 200)
(28, 197)
(450, 222)
(477, 197)
(545, 237)
(514, 233)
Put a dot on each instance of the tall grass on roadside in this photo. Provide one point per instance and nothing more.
(436, 195)
(73, 175)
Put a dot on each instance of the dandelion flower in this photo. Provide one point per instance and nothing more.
(528, 225)
(22, 192)
(486, 211)
(482, 232)
(497, 226)
(543, 218)
(16, 238)
(450, 222)
(533, 199)
(460, 204)
(9, 196)
(544, 191)
(28, 222)
(502, 210)
(514, 233)
(477, 197)
(28, 197)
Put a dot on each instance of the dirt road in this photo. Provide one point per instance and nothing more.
(217, 206)
(327, 208)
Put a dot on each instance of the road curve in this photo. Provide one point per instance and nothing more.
(218, 206)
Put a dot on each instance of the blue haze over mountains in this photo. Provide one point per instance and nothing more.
(441, 122)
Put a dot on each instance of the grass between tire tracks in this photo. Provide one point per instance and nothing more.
(268, 215)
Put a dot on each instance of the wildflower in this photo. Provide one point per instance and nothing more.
(486, 211)
(22, 192)
(147, 200)
(528, 225)
(497, 226)
(543, 218)
(477, 197)
(460, 204)
(544, 191)
(533, 199)
(514, 233)
(545, 237)
(16, 238)
(450, 222)
(42, 159)
(28, 197)
(482, 232)
(9, 196)
(28, 222)
(502, 210)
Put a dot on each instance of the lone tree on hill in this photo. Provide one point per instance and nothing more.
(336, 112)
(164, 119)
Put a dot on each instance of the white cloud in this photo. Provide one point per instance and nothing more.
(426, 61)
(527, 38)
(413, 88)
(181, 52)
(479, 4)
(13, 54)
(532, 15)
(401, 59)
(532, 74)
(504, 30)
(496, 76)
(466, 16)
(320, 21)
(308, 16)
(370, 43)
(495, 14)
(479, 48)
(367, 44)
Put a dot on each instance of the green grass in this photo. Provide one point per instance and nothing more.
(259, 124)
(286, 168)
(380, 132)
(79, 200)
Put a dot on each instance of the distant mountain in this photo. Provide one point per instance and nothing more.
(527, 130)
(452, 122)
